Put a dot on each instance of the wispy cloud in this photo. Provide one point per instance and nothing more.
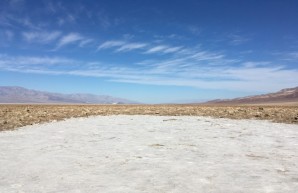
(172, 49)
(13, 21)
(110, 44)
(28, 23)
(25, 61)
(105, 20)
(175, 72)
(125, 46)
(69, 39)
(63, 14)
(66, 19)
(293, 55)
(250, 64)
(289, 56)
(121, 46)
(204, 55)
(163, 49)
(41, 36)
(156, 49)
(238, 39)
(85, 42)
(131, 46)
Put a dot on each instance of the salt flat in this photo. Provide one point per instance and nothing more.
(142, 153)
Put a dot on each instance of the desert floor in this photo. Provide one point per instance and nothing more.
(143, 153)
(14, 116)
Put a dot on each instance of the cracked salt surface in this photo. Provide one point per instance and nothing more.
(124, 153)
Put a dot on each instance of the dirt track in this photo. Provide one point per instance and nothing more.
(14, 116)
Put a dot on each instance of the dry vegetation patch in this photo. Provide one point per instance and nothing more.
(14, 116)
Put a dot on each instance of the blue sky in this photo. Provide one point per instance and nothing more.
(151, 51)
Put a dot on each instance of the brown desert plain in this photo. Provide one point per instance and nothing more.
(13, 116)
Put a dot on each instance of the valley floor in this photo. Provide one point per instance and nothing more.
(142, 153)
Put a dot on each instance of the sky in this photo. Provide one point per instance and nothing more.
(150, 51)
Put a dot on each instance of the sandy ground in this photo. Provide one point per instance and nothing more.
(13, 115)
(153, 154)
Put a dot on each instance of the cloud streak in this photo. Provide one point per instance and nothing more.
(163, 49)
(121, 46)
(69, 39)
(41, 36)
(131, 46)
(174, 72)
(124, 46)
(156, 49)
(85, 42)
(110, 44)
(237, 40)
(73, 38)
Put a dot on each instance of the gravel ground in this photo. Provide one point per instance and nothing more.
(14, 116)
(154, 154)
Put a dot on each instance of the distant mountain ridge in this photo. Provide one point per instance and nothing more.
(284, 95)
(15, 94)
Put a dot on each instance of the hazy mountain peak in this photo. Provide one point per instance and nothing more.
(16, 94)
(284, 95)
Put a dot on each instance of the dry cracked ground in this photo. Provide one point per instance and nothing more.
(15, 116)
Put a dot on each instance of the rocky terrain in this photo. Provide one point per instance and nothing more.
(14, 116)
(288, 95)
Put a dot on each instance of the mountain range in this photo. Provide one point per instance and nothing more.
(287, 95)
(14, 94)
